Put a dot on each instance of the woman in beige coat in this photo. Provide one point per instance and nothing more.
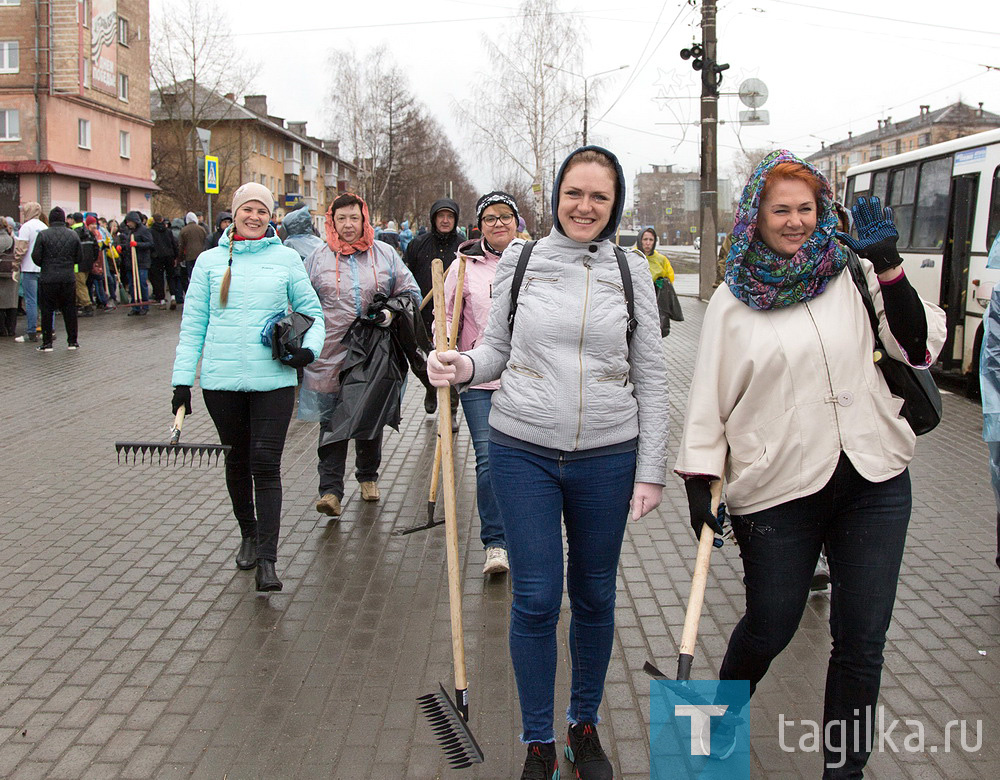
(787, 404)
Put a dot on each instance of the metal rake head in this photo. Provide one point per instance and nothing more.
(169, 454)
(451, 730)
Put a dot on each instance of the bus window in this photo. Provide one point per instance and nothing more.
(993, 224)
(849, 193)
(931, 222)
(881, 185)
(902, 190)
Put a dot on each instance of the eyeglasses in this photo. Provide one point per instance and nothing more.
(492, 219)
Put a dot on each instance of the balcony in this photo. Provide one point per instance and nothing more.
(330, 180)
(310, 172)
(292, 166)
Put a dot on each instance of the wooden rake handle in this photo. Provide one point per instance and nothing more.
(448, 468)
(696, 600)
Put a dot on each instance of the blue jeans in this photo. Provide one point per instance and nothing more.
(142, 295)
(863, 526)
(477, 404)
(536, 492)
(29, 285)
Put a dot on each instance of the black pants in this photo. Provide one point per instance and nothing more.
(863, 526)
(61, 296)
(333, 463)
(254, 425)
(158, 268)
(8, 322)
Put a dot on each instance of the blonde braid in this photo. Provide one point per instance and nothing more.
(224, 290)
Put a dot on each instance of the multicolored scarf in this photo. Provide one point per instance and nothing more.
(762, 278)
(362, 244)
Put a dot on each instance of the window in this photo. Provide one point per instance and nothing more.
(993, 224)
(83, 133)
(123, 87)
(881, 185)
(84, 196)
(10, 124)
(9, 58)
(924, 139)
(270, 149)
(124, 144)
(123, 204)
(10, 2)
(902, 191)
(931, 220)
(86, 72)
(123, 31)
(263, 179)
(253, 143)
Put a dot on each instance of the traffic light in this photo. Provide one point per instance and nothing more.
(711, 71)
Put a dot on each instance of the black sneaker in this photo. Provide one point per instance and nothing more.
(723, 731)
(44, 348)
(583, 748)
(541, 763)
(821, 575)
(74, 345)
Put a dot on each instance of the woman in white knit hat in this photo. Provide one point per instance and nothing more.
(236, 287)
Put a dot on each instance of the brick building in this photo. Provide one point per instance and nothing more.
(928, 127)
(251, 144)
(668, 200)
(74, 105)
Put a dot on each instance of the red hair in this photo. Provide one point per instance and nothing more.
(795, 172)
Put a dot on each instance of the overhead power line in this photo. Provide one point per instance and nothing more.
(935, 25)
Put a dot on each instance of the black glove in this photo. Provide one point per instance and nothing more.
(700, 506)
(298, 357)
(877, 234)
(182, 397)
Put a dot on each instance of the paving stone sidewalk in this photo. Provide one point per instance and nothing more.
(131, 646)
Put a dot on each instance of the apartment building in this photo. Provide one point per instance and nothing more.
(74, 105)
(888, 138)
(668, 200)
(251, 144)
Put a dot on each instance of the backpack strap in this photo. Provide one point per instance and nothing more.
(515, 285)
(629, 292)
(522, 265)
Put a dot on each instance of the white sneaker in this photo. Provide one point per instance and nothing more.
(496, 561)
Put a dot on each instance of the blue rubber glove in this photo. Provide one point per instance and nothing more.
(877, 234)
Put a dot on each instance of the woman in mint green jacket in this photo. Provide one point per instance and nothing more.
(235, 288)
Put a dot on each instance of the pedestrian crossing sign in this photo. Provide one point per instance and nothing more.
(211, 175)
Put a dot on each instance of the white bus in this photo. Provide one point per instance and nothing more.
(946, 203)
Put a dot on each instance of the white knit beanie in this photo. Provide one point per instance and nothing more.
(253, 191)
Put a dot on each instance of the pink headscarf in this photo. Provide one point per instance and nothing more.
(364, 241)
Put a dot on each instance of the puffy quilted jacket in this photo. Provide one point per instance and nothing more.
(568, 378)
(266, 278)
(58, 251)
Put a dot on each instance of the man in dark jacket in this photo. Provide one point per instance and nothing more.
(135, 227)
(191, 244)
(442, 241)
(57, 252)
(224, 220)
(164, 258)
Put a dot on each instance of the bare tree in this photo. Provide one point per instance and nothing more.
(744, 163)
(522, 120)
(194, 65)
(405, 158)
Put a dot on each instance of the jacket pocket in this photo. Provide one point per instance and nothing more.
(525, 371)
(613, 285)
(529, 280)
(618, 376)
(765, 460)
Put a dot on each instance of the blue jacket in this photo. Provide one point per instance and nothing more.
(266, 278)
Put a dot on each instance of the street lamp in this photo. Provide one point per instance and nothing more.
(585, 88)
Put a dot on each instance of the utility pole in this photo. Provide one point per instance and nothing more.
(703, 60)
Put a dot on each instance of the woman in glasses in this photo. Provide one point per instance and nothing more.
(496, 217)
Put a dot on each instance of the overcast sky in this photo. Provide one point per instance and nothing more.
(828, 70)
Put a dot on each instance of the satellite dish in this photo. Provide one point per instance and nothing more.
(152, 174)
(753, 93)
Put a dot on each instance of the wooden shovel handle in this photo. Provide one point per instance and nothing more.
(175, 432)
(448, 468)
(698, 582)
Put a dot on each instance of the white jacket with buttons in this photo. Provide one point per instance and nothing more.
(783, 392)
(568, 378)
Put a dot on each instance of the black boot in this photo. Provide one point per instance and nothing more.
(246, 556)
(431, 400)
(267, 580)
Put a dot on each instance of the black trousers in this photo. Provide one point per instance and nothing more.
(333, 463)
(254, 425)
(8, 322)
(158, 268)
(61, 296)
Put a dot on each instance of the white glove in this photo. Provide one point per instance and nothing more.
(448, 368)
(645, 498)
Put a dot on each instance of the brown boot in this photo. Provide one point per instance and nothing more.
(329, 504)
(369, 491)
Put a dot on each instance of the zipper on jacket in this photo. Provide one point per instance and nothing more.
(829, 378)
(583, 326)
(530, 279)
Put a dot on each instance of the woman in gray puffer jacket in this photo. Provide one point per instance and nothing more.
(577, 428)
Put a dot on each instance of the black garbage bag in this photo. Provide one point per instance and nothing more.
(669, 306)
(371, 378)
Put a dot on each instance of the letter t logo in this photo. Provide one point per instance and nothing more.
(701, 715)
